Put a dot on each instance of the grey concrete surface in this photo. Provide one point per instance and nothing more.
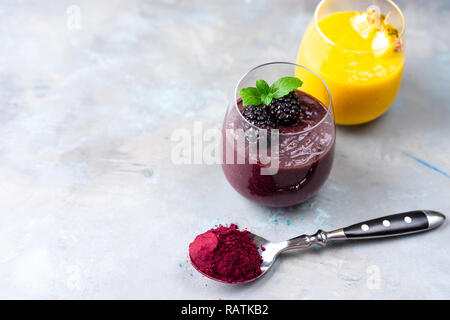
(91, 205)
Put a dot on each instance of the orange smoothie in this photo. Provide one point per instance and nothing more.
(360, 57)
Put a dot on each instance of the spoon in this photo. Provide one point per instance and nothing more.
(388, 226)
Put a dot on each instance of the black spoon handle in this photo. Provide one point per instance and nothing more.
(395, 225)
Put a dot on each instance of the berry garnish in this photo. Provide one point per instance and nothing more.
(271, 106)
(258, 117)
(285, 111)
(263, 94)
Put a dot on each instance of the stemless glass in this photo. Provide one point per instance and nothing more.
(305, 151)
(363, 83)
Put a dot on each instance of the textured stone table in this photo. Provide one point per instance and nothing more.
(92, 206)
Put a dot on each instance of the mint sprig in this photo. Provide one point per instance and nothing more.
(263, 94)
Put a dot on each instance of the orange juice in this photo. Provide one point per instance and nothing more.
(360, 56)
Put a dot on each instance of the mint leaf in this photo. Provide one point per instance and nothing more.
(262, 86)
(250, 96)
(266, 98)
(283, 86)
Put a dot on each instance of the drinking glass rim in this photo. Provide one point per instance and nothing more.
(329, 108)
(400, 35)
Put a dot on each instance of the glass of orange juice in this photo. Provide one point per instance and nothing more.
(357, 47)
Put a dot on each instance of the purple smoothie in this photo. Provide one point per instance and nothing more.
(306, 153)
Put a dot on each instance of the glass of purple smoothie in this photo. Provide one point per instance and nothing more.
(296, 132)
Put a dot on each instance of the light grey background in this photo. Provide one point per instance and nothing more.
(91, 205)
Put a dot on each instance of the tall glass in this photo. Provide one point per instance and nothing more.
(363, 80)
(305, 151)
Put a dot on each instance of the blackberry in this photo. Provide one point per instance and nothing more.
(258, 117)
(285, 111)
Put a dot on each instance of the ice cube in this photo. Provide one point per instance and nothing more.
(380, 42)
(360, 23)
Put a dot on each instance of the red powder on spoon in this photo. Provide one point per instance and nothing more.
(226, 254)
